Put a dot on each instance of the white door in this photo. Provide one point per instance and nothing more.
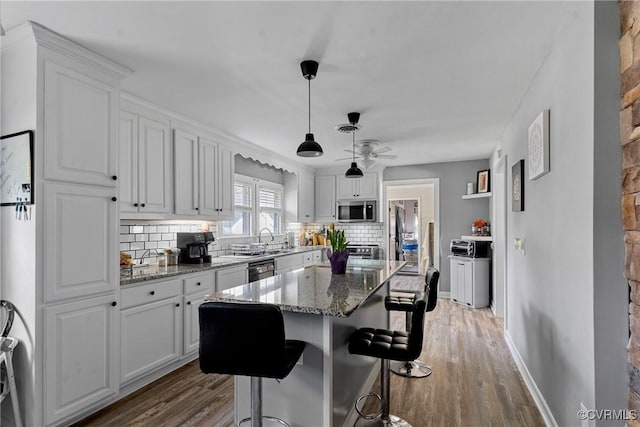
(80, 342)
(150, 337)
(155, 184)
(207, 172)
(226, 168)
(186, 172)
(79, 240)
(128, 170)
(80, 134)
(325, 194)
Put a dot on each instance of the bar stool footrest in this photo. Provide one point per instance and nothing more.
(393, 421)
(359, 410)
(270, 422)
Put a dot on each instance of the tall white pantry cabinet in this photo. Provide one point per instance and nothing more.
(60, 268)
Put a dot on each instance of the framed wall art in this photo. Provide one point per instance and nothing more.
(16, 171)
(483, 183)
(539, 146)
(517, 186)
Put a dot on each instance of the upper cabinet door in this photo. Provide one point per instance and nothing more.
(226, 169)
(186, 172)
(325, 198)
(346, 188)
(208, 169)
(154, 166)
(80, 136)
(368, 186)
(128, 188)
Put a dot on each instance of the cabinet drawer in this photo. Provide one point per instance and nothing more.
(289, 262)
(202, 282)
(155, 291)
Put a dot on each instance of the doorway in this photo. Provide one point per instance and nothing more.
(412, 211)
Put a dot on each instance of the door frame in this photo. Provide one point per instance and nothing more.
(436, 212)
(499, 226)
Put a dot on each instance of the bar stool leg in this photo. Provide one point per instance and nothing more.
(256, 402)
(12, 389)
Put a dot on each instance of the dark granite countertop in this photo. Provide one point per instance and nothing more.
(153, 272)
(315, 289)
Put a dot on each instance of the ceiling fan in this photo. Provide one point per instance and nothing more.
(367, 151)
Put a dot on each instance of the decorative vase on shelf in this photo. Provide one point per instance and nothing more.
(338, 261)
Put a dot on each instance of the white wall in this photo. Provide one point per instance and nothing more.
(550, 297)
(18, 106)
(456, 214)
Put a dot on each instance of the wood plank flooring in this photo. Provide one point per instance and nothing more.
(474, 381)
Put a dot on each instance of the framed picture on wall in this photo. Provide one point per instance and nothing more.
(16, 171)
(483, 183)
(539, 146)
(517, 186)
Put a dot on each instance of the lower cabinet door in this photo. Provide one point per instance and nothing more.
(150, 337)
(80, 355)
(192, 322)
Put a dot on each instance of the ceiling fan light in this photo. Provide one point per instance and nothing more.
(367, 163)
(309, 148)
(354, 171)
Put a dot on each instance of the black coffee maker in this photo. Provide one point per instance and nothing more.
(193, 247)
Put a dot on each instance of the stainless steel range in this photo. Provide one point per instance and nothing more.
(364, 251)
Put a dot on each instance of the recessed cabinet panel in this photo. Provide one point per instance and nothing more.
(80, 347)
(150, 337)
(192, 322)
(325, 194)
(365, 188)
(128, 170)
(154, 166)
(226, 168)
(80, 145)
(186, 170)
(208, 169)
(79, 240)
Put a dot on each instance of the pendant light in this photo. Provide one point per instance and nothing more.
(309, 148)
(354, 171)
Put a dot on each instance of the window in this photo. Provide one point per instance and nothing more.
(254, 199)
(270, 207)
(243, 207)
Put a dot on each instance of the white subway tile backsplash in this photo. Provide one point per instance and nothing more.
(137, 245)
(155, 237)
(135, 229)
(125, 246)
(142, 237)
(150, 229)
(162, 228)
(124, 229)
(127, 237)
(150, 245)
(174, 228)
(167, 236)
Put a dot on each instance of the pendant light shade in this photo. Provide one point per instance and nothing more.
(309, 147)
(354, 171)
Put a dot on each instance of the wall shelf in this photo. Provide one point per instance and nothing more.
(476, 195)
(482, 238)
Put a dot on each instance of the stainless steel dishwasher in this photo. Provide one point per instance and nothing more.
(261, 269)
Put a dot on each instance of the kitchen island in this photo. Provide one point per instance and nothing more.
(322, 309)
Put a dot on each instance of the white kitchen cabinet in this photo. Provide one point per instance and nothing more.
(230, 277)
(203, 177)
(289, 262)
(150, 332)
(81, 112)
(145, 165)
(325, 195)
(470, 281)
(80, 367)
(365, 188)
(195, 289)
(76, 216)
(299, 197)
(312, 257)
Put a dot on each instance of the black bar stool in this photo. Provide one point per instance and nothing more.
(389, 345)
(415, 368)
(247, 339)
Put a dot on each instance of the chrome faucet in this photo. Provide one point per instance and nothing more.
(260, 234)
(148, 253)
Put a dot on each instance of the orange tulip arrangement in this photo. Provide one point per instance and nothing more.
(479, 223)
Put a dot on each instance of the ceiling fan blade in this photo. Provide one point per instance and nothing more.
(346, 158)
(368, 163)
(387, 156)
(382, 150)
(351, 151)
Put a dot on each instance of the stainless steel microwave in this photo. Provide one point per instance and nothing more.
(357, 211)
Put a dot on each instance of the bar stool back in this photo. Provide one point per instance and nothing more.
(247, 339)
(7, 345)
(415, 368)
(389, 345)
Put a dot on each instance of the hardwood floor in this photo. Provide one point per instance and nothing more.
(474, 381)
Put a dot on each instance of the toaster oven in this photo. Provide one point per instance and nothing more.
(470, 248)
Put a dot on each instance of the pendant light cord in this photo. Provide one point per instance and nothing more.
(353, 147)
(309, 105)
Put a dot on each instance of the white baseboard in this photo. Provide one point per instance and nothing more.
(444, 294)
(352, 416)
(544, 409)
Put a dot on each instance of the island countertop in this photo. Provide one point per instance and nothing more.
(315, 290)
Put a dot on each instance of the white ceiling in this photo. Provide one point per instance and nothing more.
(434, 81)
